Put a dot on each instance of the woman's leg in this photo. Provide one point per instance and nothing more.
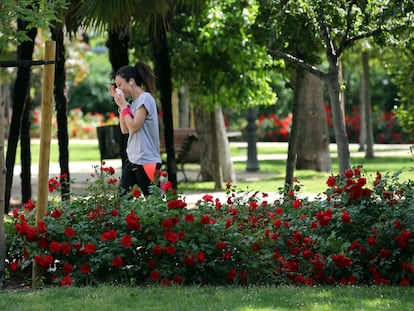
(128, 178)
(143, 181)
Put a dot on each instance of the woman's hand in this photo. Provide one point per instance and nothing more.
(118, 97)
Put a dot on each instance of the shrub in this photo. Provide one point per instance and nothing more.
(357, 232)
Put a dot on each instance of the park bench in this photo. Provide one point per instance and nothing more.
(186, 148)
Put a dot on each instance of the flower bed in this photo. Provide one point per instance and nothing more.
(357, 232)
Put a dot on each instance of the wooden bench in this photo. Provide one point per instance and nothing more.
(186, 148)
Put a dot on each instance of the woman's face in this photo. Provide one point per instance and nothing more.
(122, 84)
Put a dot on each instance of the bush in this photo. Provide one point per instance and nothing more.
(354, 233)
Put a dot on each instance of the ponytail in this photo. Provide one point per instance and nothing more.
(145, 76)
(142, 74)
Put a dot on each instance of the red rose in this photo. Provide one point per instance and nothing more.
(117, 261)
(66, 281)
(65, 248)
(331, 181)
(297, 204)
(170, 250)
(53, 184)
(205, 219)
(231, 275)
(69, 232)
(85, 268)
(154, 276)
(157, 250)
(67, 268)
(126, 241)
(189, 217)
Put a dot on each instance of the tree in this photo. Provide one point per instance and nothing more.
(155, 17)
(20, 98)
(216, 58)
(339, 25)
(25, 32)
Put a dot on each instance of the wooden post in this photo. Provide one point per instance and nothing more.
(175, 109)
(45, 138)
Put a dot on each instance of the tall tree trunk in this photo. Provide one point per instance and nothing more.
(3, 101)
(61, 110)
(362, 109)
(19, 96)
(337, 115)
(297, 79)
(223, 149)
(185, 107)
(204, 132)
(162, 70)
(215, 160)
(369, 154)
(217, 167)
(118, 45)
(313, 149)
(25, 153)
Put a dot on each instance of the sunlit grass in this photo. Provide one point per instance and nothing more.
(312, 182)
(272, 175)
(283, 298)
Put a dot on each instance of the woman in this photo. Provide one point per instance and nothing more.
(140, 121)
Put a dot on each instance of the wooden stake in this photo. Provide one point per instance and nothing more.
(45, 138)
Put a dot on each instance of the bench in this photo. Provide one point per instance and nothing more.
(186, 148)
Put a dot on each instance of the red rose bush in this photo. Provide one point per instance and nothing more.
(359, 231)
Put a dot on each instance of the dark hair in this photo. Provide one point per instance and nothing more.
(142, 74)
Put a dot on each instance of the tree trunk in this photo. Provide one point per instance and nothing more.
(25, 154)
(223, 149)
(118, 43)
(2, 185)
(204, 132)
(337, 116)
(215, 161)
(369, 154)
(297, 79)
(217, 167)
(185, 107)
(61, 110)
(313, 149)
(363, 123)
(162, 70)
(19, 96)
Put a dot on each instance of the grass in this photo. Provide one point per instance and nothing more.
(311, 181)
(282, 298)
(272, 172)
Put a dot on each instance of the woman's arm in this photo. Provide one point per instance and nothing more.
(134, 123)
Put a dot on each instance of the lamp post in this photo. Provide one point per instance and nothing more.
(251, 135)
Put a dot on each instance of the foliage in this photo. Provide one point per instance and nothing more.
(27, 10)
(90, 92)
(355, 233)
(215, 54)
(400, 65)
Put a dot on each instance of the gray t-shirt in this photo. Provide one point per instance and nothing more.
(144, 146)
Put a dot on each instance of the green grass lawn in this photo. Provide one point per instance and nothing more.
(271, 181)
(311, 181)
(211, 298)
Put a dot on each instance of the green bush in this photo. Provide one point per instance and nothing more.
(357, 232)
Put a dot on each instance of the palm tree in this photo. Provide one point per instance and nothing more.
(156, 17)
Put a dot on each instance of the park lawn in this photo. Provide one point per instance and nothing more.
(311, 181)
(273, 171)
(201, 298)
